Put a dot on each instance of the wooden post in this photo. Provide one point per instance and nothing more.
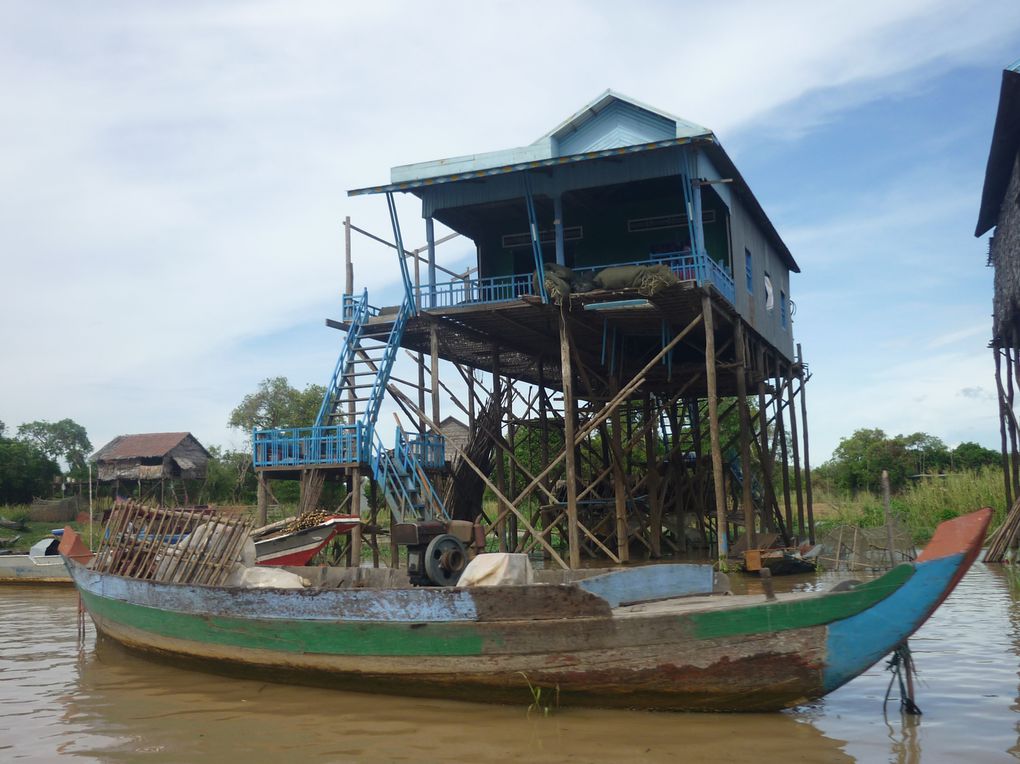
(807, 451)
(356, 511)
(722, 543)
(619, 486)
(652, 483)
(262, 511)
(374, 519)
(434, 352)
(497, 403)
(765, 452)
(569, 409)
(888, 518)
(1002, 427)
(1014, 449)
(430, 237)
(801, 526)
(784, 453)
(348, 262)
(746, 499)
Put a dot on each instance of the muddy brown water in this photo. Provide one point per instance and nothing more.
(94, 701)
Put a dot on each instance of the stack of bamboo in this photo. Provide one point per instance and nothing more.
(1005, 535)
(194, 546)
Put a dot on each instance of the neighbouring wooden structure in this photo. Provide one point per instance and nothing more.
(1000, 210)
(622, 350)
(147, 462)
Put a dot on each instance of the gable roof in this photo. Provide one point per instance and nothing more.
(145, 445)
(1003, 151)
(609, 99)
(611, 125)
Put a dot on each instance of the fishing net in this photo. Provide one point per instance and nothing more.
(850, 548)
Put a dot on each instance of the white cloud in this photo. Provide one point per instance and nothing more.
(173, 176)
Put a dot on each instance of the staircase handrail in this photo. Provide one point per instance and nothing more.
(357, 307)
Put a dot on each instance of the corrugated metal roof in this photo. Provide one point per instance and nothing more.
(141, 446)
(558, 146)
(643, 122)
(1003, 151)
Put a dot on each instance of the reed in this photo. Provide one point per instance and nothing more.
(921, 506)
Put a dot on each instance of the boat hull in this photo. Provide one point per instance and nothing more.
(23, 569)
(496, 643)
(299, 547)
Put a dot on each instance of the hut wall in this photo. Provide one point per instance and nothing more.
(1005, 256)
(747, 237)
(187, 460)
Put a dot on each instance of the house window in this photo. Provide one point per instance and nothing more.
(748, 270)
(770, 300)
(782, 308)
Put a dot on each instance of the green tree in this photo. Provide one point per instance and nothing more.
(65, 440)
(930, 454)
(2, 428)
(859, 459)
(971, 456)
(229, 477)
(276, 404)
(25, 472)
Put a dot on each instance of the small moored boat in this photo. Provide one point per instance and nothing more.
(658, 637)
(42, 564)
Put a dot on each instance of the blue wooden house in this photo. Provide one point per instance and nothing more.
(621, 251)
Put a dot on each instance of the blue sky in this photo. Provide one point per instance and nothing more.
(174, 177)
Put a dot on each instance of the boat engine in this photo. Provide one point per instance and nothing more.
(436, 551)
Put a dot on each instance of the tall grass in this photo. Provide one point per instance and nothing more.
(921, 506)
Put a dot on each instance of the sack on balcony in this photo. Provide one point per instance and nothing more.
(654, 278)
(556, 288)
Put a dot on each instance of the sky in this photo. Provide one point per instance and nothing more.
(174, 176)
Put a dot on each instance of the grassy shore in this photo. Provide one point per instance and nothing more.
(921, 506)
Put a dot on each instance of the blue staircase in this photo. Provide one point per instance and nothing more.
(344, 430)
(409, 493)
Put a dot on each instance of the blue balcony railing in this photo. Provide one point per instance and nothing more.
(688, 267)
(427, 449)
(297, 446)
(476, 291)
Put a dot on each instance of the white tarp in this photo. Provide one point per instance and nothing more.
(498, 569)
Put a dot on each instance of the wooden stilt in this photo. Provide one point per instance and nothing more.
(619, 487)
(652, 482)
(569, 409)
(1003, 421)
(807, 450)
(746, 499)
(262, 497)
(801, 525)
(497, 402)
(784, 455)
(722, 543)
(356, 511)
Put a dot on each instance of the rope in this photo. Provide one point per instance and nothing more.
(903, 670)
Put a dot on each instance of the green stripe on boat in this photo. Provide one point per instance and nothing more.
(782, 616)
(323, 637)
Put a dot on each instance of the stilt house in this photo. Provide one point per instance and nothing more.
(1000, 210)
(631, 299)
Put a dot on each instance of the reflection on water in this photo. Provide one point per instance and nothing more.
(101, 703)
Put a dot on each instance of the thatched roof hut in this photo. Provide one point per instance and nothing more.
(152, 456)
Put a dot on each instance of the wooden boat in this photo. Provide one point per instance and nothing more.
(299, 547)
(36, 567)
(784, 561)
(619, 639)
